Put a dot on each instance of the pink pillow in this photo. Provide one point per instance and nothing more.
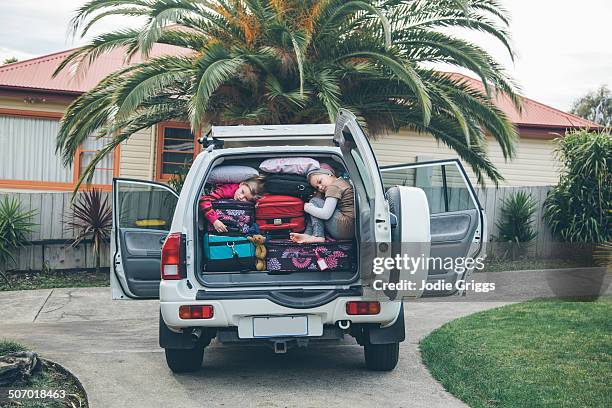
(289, 165)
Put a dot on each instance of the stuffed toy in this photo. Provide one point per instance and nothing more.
(260, 250)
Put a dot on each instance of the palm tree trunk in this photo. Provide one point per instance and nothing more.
(97, 263)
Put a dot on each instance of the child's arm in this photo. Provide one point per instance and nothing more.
(206, 201)
(322, 213)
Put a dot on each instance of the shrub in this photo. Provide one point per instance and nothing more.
(91, 217)
(178, 178)
(578, 209)
(15, 225)
(515, 225)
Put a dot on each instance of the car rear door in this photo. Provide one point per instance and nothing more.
(457, 220)
(375, 223)
(142, 216)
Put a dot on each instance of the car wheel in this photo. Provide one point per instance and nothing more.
(184, 360)
(381, 357)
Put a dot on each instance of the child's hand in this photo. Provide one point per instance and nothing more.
(219, 226)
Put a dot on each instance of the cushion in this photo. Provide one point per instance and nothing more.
(231, 174)
(289, 165)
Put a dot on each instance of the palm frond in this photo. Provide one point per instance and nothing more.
(289, 61)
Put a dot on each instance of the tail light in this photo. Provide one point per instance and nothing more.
(173, 257)
(362, 308)
(196, 312)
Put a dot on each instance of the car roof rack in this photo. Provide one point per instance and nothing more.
(218, 135)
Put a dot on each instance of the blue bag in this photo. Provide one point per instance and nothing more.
(228, 253)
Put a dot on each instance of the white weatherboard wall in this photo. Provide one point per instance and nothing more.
(138, 155)
(534, 164)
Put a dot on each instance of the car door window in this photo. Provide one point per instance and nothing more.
(443, 184)
(144, 206)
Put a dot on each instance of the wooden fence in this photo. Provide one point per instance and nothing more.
(51, 239)
(491, 199)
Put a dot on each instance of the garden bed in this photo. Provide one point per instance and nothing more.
(48, 376)
(54, 279)
(530, 264)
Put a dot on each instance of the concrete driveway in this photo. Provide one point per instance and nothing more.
(112, 347)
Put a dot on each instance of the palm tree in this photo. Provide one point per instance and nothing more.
(296, 61)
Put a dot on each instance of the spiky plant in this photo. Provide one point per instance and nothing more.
(296, 61)
(515, 225)
(92, 218)
(15, 226)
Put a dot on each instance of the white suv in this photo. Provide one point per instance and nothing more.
(430, 204)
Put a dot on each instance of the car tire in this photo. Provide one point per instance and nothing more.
(184, 360)
(381, 357)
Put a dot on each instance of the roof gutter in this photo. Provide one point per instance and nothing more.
(43, 90)
(536, 126)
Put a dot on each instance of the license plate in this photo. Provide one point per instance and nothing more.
(277, 326)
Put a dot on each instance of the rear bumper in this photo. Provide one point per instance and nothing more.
(230, 312)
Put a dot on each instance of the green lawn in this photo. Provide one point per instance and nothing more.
(542, 353)
(54, 279)
(49, 377)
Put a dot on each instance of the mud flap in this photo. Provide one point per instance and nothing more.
(396, 333)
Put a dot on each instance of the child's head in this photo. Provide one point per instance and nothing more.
(250, 189)
(320, 179)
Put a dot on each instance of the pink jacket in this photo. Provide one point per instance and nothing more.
(220, 191)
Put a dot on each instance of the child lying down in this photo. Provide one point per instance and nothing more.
(334, 214)
(248, 190)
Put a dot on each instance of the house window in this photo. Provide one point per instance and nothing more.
(29, 159)
(28, 151)
(176, 149)
(105, 169)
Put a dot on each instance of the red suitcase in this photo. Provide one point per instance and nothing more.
(278, 213)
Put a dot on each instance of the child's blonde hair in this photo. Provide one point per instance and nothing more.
(256, 185)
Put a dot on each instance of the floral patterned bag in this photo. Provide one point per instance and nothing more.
(237, 215)
(286, 256)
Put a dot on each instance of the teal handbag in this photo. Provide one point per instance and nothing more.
(228, 253)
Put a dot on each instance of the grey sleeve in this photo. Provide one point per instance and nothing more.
(325, 212)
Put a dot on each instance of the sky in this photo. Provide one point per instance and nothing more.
(563, 50)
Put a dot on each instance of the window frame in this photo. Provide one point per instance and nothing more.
(52, 185)
(159, 163)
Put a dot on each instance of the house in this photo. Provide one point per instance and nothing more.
(32, 102)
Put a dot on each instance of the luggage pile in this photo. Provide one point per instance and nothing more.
(276, 214)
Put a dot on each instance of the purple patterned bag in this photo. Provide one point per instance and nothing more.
(237, 215)
(287, 256)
